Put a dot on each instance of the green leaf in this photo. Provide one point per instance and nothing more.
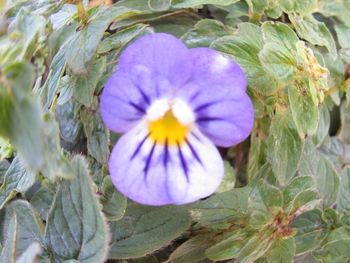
(68, 118)
(281, 250)
(277, 60)
(228, 182)
(25, 112)
(193, 3)
(20, 77)
(337, 152)
(6, 149)
(4, 165)
(323, 126)
(75, 227)
(6, 105)
(17, 180)
(315, 32)
(228, 247)
(310, 231)
(284, 149)
(299, 6)
(114, 203)
(30, 254)
(253, 249)
(204, 33)
(51, 85)
(257, 157)
(244, 48)
(192, 250)
(30, 227)
(85, 84)
(30, 26)
(97, 135)
(316, 165)
(8, 252)
(296, 186)
(121, 38)
(83, 45)
(305, 200)
(159, 5)
(343, 199)
(56, 165)
(145, 229)
(343, 133)
(270, 195)
(41, 202)
(343, 34)
(280, 34)
(218, 210)
(263, 204)
(338, 242)
(304, 112)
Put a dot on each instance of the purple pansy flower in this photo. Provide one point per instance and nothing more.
(173, 104)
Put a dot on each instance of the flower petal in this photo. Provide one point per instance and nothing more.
(161, 53)
(124, 101)
(156, 174)
(217, 95)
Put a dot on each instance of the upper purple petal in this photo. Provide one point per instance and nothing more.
(161, 53)
(125, 100)
(216, 92)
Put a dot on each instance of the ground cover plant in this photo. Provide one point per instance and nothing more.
(285, 192)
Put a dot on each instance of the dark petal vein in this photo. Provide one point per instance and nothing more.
(144, 96)
(194, 153)
(183, 162)
(205, 119)
(138, 148)
(137, 107)
(148, 161)
(166, 154)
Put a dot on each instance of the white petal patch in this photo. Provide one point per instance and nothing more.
(220, 64)
(205, 170)
(156, 174)
(183, 112)
(157, 109)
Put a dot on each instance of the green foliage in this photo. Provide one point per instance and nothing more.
(285, 194)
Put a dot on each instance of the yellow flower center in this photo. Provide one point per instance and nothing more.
(168, 129)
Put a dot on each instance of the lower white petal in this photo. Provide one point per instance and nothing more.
(158, 174)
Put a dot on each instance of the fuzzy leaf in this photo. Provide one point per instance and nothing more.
(97, 135)
(219, 209)
(145, 229)
(83, 45)
(244, 48)
(75, 226)
(343, 199)
(310, 231)
(30, 254)
(193, 3)
(326, 179)
(8, 252)
(305, 113)
(114, 203)
(315, 32)
(85, 84)
(17, 180)
(284, 149)
(204, 33)
(29, 228)
(282, 250)
(191, 251)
